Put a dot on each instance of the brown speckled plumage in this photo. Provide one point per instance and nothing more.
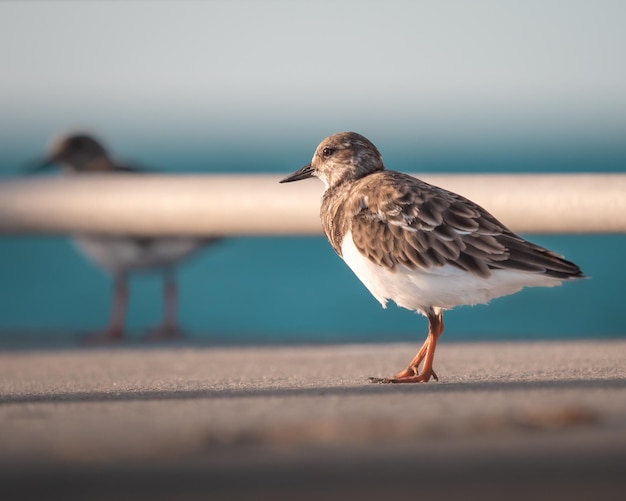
(414, 224)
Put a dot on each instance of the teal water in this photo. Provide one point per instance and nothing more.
(291, 290)
(295, 290)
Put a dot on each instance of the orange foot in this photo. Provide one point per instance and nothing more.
(406, 376)
(426, 354)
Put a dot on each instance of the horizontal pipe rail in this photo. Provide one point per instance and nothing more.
(229, 205)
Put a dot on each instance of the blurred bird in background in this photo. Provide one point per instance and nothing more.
(81, 154)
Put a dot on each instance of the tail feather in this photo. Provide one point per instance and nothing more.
(525, 256)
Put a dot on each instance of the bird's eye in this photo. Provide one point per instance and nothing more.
(327, 152)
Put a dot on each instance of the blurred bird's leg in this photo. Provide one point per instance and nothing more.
(169, 326)
(170, 303)
(426, 354)
(115, 328)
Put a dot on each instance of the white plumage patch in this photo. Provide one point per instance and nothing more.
(444, 286)
(126, 253)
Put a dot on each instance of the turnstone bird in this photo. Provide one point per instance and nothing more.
(80, 154)
(423, 247)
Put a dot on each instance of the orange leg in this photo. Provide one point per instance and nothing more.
(426, 354)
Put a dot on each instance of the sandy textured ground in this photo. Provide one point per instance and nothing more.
(536, 419)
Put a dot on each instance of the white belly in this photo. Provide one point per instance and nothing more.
(117, 254)
(443, 287)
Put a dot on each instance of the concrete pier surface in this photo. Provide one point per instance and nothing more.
(510, 420)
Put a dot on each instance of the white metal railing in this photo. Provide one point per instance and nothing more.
(148, 204)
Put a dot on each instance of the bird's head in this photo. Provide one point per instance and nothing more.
(77, 153)
(345, 156)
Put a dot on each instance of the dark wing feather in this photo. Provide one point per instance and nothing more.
(409, 222)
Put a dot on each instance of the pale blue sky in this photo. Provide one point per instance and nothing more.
(247, 67)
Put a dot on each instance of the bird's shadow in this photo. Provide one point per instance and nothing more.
(311, 391)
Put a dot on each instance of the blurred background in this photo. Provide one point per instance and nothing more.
(254, 86)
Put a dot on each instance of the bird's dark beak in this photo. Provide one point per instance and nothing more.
(304, 173)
